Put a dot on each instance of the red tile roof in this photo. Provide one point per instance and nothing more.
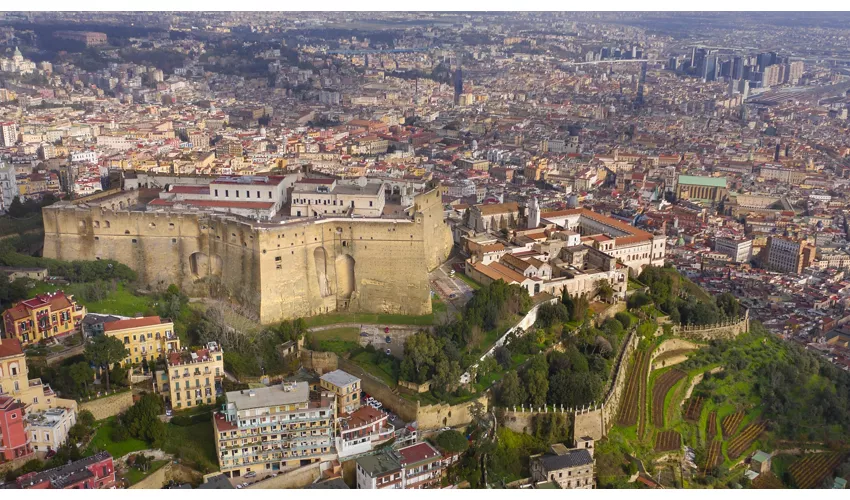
(10, 347)
(123, 324)
(417, 453)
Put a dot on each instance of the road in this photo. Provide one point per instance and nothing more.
(445, 286)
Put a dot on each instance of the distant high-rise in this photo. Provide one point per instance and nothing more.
(737, 68)
(641, 82)
(709, 68)
(458, 83)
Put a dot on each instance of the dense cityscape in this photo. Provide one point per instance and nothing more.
(548, 250)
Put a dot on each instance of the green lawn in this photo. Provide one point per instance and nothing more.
(365, 360)
(121, 302)
(338, 340)
(193, 445)
(135, 475)
(102, 441)
(469, 281)
(378, 319)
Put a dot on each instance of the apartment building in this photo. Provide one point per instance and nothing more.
(94, 472)
(412, 467)
(14, 439)
(785, 255)
(738, 249)
(345, 386)
(145, 338)
(43, 317)
(274, 428)
(48, 429)
(192, 377)
(315, 197)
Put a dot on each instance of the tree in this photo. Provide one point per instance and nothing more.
(604, 290)
(729, 305)
(447, 375)
(81, 373)
(511, 392)
(503, 357)
(536, 379)
(103, 351)
(452, 441)
(624, 318)
(142, 419)
(638, 300)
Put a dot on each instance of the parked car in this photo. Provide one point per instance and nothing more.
(452, 295)
(389, 339)
(386, 329)
(244, 485)
(250, 475)
(376, 405)
(168, 412)
(238, 486)
(364, 334)
(445, 429)
(389, 352)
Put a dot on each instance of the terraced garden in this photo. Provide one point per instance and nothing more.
(811, 470)
(662, 386)
(630, 407)
(693, 408)
(668, 441)
(742, 441)
(711, 426)
(731, 422)
(714, 456)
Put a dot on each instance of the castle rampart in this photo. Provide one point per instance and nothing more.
(276, 271)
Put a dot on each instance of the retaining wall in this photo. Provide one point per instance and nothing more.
(440, 415)
(155, 481)
(297, 478)
(108, 406)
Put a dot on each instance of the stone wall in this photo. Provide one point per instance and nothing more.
(297, 478)
(274, 271)
(696, 380)
(155, 481)
(721, 331)
(519, 421)
(609, 312)
(319, 362)
(108, 406)
(671, 345)
(437, 416)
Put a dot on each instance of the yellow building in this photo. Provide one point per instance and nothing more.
(192, 376)
(42, 317)
(345, 386)
(15, 381)
(145, 338)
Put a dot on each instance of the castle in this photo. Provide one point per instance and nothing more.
(289, 268)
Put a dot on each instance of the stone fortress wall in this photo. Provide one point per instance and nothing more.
(275, 271)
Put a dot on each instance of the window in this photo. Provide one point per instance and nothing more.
(258, 194)
(237, 193)
(216, 193)
(278, 262)
(227, 193)
(247, 194)
(270, 195)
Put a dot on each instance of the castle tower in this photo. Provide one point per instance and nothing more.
(533, 214)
